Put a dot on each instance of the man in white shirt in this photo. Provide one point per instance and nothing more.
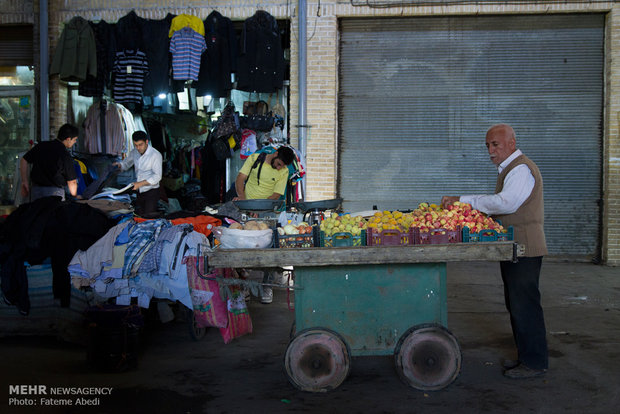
(147, 162)
(518, 202)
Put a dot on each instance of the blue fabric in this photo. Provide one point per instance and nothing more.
(81, 183)
(123, 237)
(141, 237)
(151, 260)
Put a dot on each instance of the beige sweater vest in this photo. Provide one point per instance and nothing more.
(528, 220)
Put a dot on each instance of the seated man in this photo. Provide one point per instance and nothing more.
(264, 175)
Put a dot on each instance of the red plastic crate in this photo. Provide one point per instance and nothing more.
(439, 236)
(389, 237)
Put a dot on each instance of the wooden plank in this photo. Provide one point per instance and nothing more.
(323, 256)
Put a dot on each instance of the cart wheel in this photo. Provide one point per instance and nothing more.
(195, 331)
(317, 360)
(428, 357)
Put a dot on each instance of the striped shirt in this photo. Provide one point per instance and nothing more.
(186, 47)
(130, 68)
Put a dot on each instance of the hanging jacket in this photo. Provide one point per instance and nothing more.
(76, 53)
(106, 49)
(261, 60)
(220, 58)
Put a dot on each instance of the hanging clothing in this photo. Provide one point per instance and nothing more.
(105, 43)
(76, 53)
(130, 68)
(128, 32)
(186, 20)
(261, 60)
(155, 44)
(220, 58)
(109, 136)
(213, 176)
(186, 47)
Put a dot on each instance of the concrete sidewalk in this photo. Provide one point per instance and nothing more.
(178, 375)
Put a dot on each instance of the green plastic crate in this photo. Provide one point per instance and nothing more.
(343, 239)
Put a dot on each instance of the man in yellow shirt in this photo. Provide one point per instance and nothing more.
(264, 175)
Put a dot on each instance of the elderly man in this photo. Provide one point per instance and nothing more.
(518, 202)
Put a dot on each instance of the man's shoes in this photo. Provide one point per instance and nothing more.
(522, 371)
(267, 296)
(510, 363)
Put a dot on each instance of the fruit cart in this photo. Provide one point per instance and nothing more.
(356, 301)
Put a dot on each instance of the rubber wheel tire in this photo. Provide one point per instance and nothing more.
(428, 357)
(195, 331)
(317, 360)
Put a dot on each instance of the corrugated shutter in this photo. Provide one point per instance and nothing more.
(16, 45)
(418, 94)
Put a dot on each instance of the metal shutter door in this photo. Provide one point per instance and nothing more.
(16, 48)
(418, 94)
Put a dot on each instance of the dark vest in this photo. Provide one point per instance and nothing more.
(528, 220)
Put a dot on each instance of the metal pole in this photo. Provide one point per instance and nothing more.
(43, 71)
(302, 120)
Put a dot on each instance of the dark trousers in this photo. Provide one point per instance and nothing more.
(526, 314)
(146, 202)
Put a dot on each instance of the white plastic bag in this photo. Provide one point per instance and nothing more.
(243, 239)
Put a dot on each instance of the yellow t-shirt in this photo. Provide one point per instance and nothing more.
(183, 20)
(271, 180)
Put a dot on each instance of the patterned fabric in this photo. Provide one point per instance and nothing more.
(152, 259)
(239, 321)
(186, 47)
(208, 306)
(141, 237)
(130, 68)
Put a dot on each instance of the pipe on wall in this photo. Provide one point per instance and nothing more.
(44, 71)
(302, 118)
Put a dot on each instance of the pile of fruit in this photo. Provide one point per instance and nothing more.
(343, 224)
(391, 220)
(431, 216)
(250, 225)
(290, 229)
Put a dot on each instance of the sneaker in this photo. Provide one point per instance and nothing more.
(523, 371)
(245, 291)
(267, 296)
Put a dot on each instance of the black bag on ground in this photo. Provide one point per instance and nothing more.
(114, 337)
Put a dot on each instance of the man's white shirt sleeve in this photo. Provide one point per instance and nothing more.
(149, 168)
(518, 186)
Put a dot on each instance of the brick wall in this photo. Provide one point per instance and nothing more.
(611, 151)
(322, 76)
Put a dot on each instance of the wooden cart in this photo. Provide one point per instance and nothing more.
(354, 301)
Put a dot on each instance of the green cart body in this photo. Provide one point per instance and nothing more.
(371, 306)
(362, 301)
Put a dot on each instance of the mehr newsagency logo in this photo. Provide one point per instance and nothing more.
(43, 395)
